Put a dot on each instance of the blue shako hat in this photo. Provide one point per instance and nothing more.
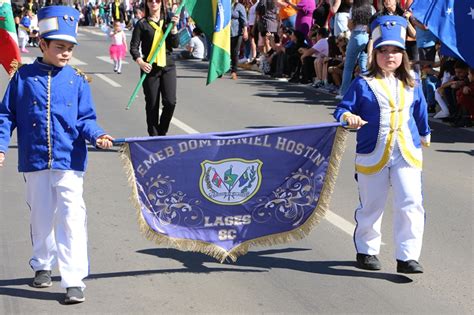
(389, 30)
(58, 22)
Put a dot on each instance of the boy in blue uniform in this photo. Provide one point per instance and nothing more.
(50, 105)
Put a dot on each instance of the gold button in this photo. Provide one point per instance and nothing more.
(34, 124)
(35, 102)
(36, 79)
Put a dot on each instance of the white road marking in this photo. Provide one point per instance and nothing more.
(108, 80)
(76, 62)
(108, 60)
(181, 125)
(91, 31)
(341, 223)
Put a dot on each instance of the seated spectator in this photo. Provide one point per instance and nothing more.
(450, 88)
(446, 74)
(465, 98)
(430, 83)
(320, 52)
(195, 48)
(310, 57)
(277, 58)
(336, 62)
(293, 55)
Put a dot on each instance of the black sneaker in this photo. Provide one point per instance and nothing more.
(409, 266)
(42, 279)
(74, 295)
(368, 262)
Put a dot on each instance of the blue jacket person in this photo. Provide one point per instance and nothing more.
(50, 105)
(389, 110)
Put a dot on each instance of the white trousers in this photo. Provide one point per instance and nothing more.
(408, 212)
(58, 224)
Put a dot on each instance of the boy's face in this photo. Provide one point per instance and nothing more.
(57, 52)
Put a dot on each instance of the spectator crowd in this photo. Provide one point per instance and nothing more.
(321, 43)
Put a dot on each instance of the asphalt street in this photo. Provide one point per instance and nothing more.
(317, 275)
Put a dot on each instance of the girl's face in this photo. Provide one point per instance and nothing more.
(117, 26)
(389, 58)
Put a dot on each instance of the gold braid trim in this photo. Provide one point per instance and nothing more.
(221, 254)
(81, 73)
(15, 65)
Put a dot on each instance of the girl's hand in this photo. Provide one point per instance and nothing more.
(145, 66)
(104, 142)
(466, 90)
(355, 122)
(2, 158)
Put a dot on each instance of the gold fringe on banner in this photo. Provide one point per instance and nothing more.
(275, 239)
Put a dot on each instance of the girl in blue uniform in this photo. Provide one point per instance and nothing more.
(389, 111)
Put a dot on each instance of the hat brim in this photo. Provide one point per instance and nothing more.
(66, 38)
(390, 43)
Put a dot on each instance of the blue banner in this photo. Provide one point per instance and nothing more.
(452, 22)
(219, 193)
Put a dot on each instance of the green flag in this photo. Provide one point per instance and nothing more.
(213, 18)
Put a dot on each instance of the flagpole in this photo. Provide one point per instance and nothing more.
(155, 53)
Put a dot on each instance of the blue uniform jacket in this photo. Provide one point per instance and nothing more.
(361, 100)
(53, 112)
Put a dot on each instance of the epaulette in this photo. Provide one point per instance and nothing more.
(81, 73)
(14, 65)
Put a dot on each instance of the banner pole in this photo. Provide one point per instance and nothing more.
(155, 53)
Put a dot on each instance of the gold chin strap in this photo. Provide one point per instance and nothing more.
(160, 59)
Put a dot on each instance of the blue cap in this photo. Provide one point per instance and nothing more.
(389, 30)
(58, 22)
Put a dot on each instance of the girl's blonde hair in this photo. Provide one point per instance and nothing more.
(402, 73)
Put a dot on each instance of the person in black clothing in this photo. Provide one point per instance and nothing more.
(161, 73)
(118, 12)
(31, 5)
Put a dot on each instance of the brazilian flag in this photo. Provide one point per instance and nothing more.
(213, 18)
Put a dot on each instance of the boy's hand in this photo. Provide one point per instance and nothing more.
(104, 142)
(2, 158)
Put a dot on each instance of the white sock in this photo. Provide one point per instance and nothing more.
(24, 41)
(119, 65)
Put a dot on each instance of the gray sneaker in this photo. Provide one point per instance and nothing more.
(42, 279)
(74, 295)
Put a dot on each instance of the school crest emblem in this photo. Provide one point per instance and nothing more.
(230, 181)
